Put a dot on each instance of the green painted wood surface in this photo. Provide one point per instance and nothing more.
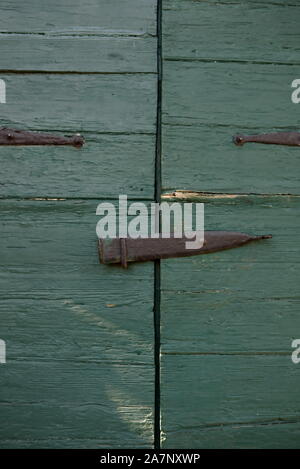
(111, 109)
(224, 402)
(106, 166)
(79, 54)
(204, 158)
(227, 323)
(75, 17)
(99, 103)
(226, 71)
(233, 31)
(79, 335)
(115, 113)
(228, 319)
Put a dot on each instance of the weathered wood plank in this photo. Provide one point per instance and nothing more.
(108, 409)
(77, 17)
(204, 158)
(205, 105)
(106, 166)
(86, 54)
(288, 3)
(99, 103)
(238, 436)
(241, 95)
(79, 334)
(230, 402)
(238, 31)
(64, 444)
(227, 324)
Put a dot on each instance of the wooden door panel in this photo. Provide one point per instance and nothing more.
(79, 335)
(228, 319)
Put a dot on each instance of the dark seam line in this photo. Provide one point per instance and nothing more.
(93, 133)
(157, 294)
(175, 194)
(230, 61)
(83, 35)
(241, 2)
(231, 354)
(278, 421)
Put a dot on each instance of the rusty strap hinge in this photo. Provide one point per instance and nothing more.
(25, 137)
(279, 138)
(124, 250)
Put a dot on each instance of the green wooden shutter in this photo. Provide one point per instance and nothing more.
(79, 336)
(228, 319)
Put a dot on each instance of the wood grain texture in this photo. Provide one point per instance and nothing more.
(231, 31)
(204, 158)
(79, 335)
(241, 95)
(227, 323)
(228, 69)
(78, 54)
(242, 436)
(105, 166)
(99, 103)
(230, 402)
(204, 105)
(109, 163)
(77, 17)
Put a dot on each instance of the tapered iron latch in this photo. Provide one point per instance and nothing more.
(25, 137)
(278, 138)
(125, 250)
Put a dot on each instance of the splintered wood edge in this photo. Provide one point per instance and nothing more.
(185, 194)
(190, 195)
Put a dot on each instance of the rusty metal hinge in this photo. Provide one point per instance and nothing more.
(25, 137)
(124, 250)
(278, 138)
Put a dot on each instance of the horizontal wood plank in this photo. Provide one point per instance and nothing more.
(238, 31)
(204, 158)
(54, 443)
(99, 103)
(78, 334)
(73, 54)
(77, 17)
(238, 436)
(242, 95)
(106, 166)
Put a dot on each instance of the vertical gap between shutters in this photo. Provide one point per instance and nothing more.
(157, 283)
